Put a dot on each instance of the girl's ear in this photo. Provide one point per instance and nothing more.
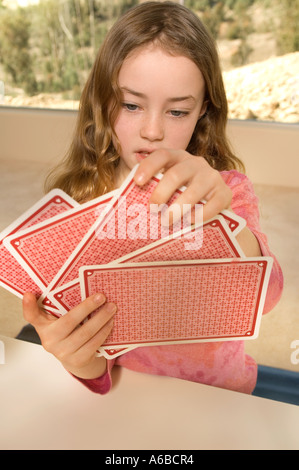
(204, 110)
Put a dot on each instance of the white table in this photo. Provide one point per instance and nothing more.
(43, 407)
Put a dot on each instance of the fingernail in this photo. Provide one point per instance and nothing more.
(99, 298)
(140, 178)
(111, 308)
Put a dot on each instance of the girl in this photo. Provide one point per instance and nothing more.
(155, 95)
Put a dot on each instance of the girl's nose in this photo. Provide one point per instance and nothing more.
(152, 128)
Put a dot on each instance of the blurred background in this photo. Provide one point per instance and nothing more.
(48, 46)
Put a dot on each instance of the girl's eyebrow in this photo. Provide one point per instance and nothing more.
(170, 100)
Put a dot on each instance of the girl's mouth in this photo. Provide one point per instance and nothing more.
(144, 154)
(141, 154)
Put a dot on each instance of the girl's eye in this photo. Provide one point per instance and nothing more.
(130, 107)
(177, 113)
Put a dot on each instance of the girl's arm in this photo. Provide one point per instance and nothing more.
(245, 204)
(248, 242)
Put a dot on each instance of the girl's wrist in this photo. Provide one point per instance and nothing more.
(93, 370)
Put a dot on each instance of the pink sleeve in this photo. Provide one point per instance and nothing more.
(245, 204)
(101, 385)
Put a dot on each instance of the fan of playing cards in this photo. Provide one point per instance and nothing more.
(171, 285)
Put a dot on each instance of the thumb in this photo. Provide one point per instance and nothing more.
(31, 310)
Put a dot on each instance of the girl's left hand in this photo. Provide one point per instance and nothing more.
(183, 169)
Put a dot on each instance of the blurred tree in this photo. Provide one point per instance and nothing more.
(288, 32)
(51, 46)
(213, 17)
(15, 49)
(66, 36)
(240, 28)
(200, 5)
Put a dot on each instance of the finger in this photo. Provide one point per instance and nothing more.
(173, 179)
(31, 311)
(189, 173)
(154, 163)
(93, 326)
(85, 352)
(71, 320)
(215, 199)
(187, 207)
(216, 203)
(85, 339)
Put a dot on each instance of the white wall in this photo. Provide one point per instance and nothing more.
(270, 151)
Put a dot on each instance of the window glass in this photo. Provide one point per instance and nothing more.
(47, 48)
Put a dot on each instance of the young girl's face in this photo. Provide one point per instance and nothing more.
(162, 100)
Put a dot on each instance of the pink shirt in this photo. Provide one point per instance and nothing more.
(221, 364)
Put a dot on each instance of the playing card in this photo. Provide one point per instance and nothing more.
(42, 249)
(112, 353)
(212, 240)
(181, 302)
(215, 240)
(127, 225)
(13, 276)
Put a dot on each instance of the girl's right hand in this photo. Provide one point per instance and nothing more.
(72, 342)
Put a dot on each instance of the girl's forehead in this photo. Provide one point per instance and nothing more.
(152, 63)
(154, 55)
(154, 49)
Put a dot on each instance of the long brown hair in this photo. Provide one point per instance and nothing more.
(89, 167)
